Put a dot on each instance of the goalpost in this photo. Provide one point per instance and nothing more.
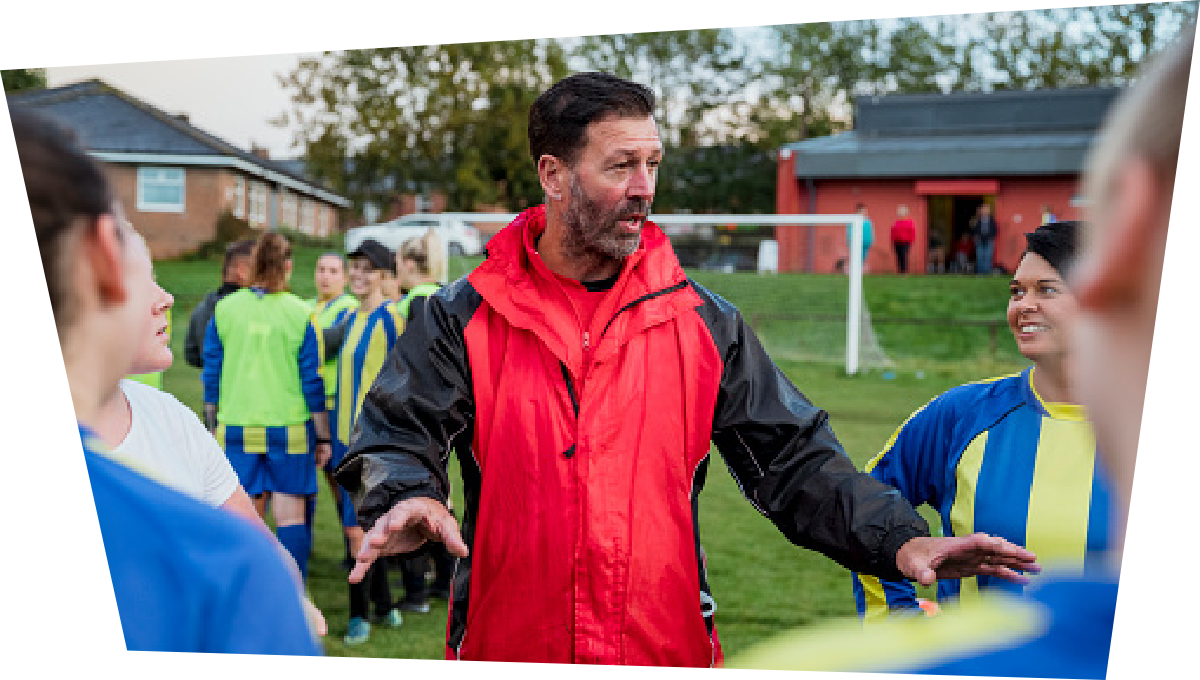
(856, 317)
(854, 308)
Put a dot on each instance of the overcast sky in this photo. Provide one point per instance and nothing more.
(230, 97)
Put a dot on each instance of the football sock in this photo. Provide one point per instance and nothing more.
(297, 539)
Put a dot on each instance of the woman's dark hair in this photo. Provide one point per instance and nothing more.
(68, 191)
(268, 268)
(559, 117)
(1057, 243)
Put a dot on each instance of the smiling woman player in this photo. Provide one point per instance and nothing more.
(1013, 456)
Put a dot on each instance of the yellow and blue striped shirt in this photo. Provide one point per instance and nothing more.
(327, 315)
(993, 457)
(369, 339)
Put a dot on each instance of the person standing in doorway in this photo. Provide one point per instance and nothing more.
(904, 232)
(983, 232)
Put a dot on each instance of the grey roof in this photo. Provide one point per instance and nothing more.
(109, 120)
(1036, 132)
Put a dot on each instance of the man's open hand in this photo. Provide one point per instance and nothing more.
(925, 560)
(406, 527)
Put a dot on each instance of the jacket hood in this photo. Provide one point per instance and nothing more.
(516, 283)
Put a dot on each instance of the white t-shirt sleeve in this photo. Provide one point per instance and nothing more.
(168, 438)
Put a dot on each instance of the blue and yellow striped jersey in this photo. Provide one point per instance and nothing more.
(369, 338)
(993, 457)
(327, 315)
(1062, 628)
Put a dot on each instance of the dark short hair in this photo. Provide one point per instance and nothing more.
(559, 117)
(242, 248)
(1055, 242)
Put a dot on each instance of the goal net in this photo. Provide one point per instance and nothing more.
(821, 317)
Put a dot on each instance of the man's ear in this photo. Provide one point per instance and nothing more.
(105, 252)
(552, 173)
(1113, 274)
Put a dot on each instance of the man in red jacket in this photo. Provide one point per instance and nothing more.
(581, 377)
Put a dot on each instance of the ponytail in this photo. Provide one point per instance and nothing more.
(268, 269)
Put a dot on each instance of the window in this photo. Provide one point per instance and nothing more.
(258, 203)
(287, 208)
(307, 208)
(324, 215)
(160, 189)
(239, 197)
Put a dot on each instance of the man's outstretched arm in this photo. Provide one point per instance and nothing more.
(785, 457)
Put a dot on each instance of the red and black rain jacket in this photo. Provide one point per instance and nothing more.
(584, 450)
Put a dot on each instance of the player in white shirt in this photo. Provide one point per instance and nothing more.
(137, 421)
(156, 434)
(194, 464)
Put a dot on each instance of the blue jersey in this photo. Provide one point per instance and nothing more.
(188, 577)
(369, 339)
(993, 457)
(1061, 628)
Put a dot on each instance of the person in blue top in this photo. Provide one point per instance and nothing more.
(264, 398)
(868, 236)
(332, 306)
(1012, 456)
(186, 577)
(1062, 627)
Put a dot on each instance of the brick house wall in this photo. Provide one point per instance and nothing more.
(171, 234)
(208, 193)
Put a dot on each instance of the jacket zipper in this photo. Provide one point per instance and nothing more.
(587, 343)
(648, 296)
(574, 402)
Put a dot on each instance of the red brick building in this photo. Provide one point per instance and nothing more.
(173, 179)
(941, 156)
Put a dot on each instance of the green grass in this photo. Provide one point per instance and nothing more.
(762, 583)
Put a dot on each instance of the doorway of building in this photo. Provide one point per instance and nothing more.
(949, 219)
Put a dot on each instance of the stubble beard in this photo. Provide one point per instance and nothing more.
(592, 234)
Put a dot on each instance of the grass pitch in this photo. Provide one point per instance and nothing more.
(762, 583)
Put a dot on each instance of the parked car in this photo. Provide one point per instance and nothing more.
(459, 237)
(729, 261)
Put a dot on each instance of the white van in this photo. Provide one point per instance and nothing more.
(454, 230)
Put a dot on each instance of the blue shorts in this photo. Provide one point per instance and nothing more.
(278, 459)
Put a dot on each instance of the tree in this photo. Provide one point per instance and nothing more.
(452, 118)
(425, 118)
(18, 79)
(694, 74)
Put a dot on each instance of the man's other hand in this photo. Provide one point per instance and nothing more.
(406, 527)
(925, 560)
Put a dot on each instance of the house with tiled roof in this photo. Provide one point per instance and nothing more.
(174, 179)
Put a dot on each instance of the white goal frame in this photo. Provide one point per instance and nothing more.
(855, 222)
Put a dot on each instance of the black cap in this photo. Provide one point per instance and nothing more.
(377, 254)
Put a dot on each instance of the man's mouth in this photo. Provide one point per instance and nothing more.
(1034, 328)
(632, 223)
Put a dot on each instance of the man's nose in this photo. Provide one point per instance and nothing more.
(641, 184)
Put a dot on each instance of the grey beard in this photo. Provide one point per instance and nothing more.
(592, 234)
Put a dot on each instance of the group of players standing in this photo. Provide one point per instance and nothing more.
(284, 382)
